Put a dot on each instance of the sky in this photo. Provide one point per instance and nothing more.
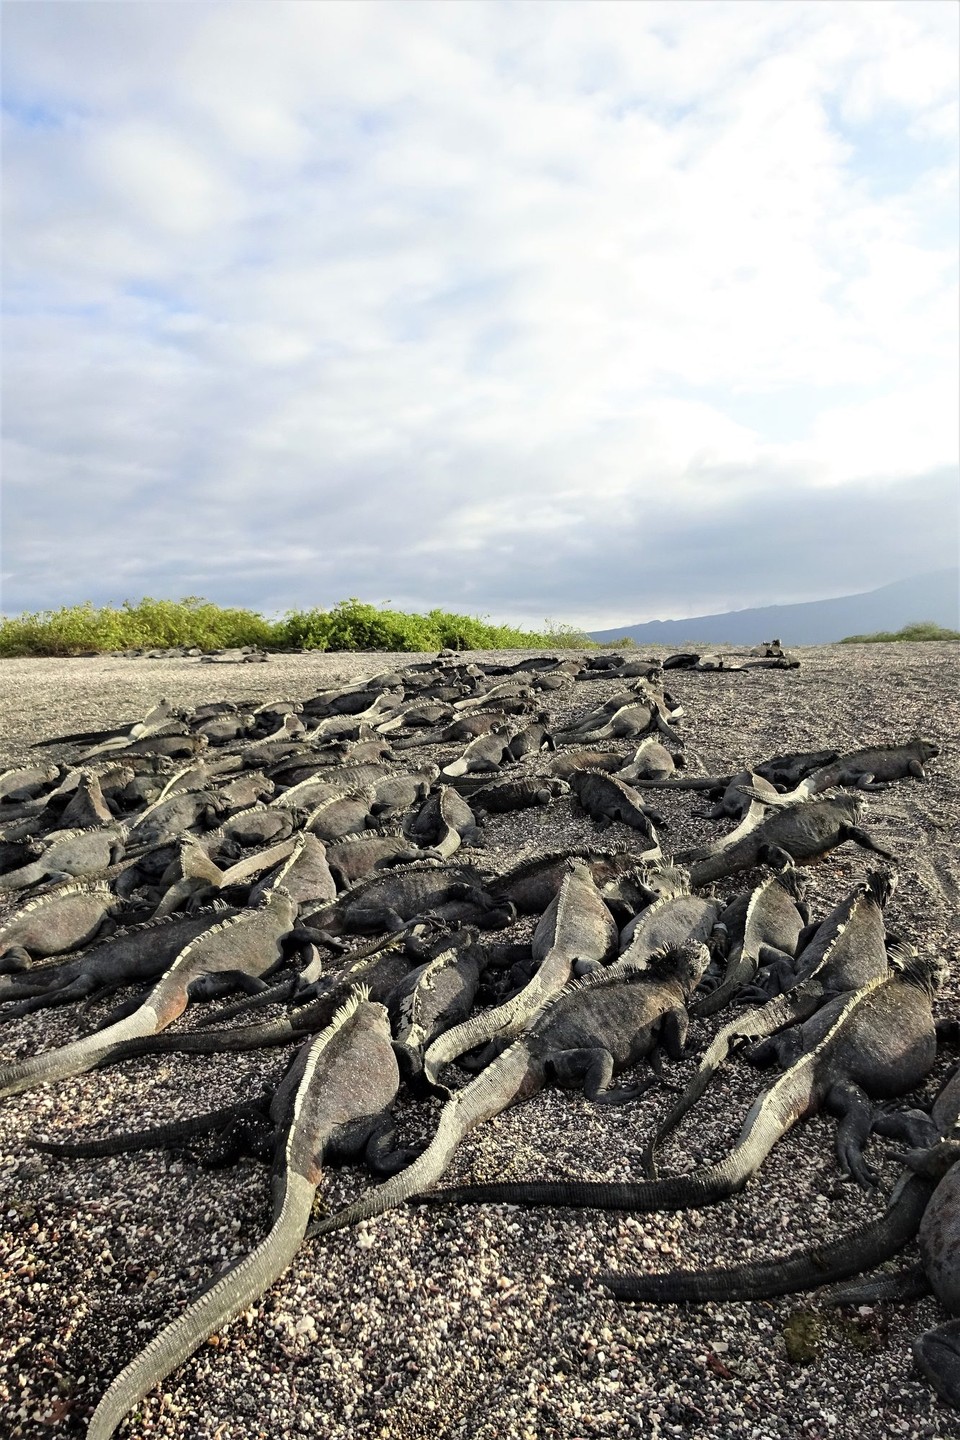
(583, 312)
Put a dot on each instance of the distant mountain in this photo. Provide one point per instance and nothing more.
(935, 596)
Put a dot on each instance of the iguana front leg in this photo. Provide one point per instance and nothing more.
(865, 841)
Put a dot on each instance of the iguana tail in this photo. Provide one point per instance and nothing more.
(513, 1075)
(75, 1058)
(212, 1308)
(795, 1095)
(863, 1249)
(785, 1010)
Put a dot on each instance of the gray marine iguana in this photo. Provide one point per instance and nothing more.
(60, 920)
(878, 1041)
(387, 901)
(593, 1030)
(333, 1102)
(845, 952)
(803, 830)
(239, 950)
(140, 952)
(775, 914)
(315, 993)
(872, 768)
(575, 926)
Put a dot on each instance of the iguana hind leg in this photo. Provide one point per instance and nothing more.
(856, 1121)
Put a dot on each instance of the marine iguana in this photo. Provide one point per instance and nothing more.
(576, 926)
(68, 854)
(630, 720)
(487, 752)
(803, 830)
(139, 953)
(333, 1102)
(609, 799)
(564, 765)
(593, 1030)
(533, 883)
(237, 951)
(341, 815)
(303, 872)
(669, 920)
(925, 1200)
(397, 793)
(846, 951)
(432, 1000)
(325, 785)
(354, 857)
(443, 822)
(58, 921)
(878, 1041)
(872, 768)
(522, 794)
(385, 902)
(316, 993)
(775, 915)
(651, 761)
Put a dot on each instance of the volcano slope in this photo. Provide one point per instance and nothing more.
(464, 1323)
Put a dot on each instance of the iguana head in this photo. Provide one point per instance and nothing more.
(684, 963)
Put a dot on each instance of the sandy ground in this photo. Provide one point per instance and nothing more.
(469, 1324)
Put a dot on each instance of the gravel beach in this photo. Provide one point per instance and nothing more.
(480, 1323)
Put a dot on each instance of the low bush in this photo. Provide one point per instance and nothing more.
(349, 625)
(919, 630)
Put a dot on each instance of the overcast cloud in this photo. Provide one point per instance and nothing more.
(601, 312)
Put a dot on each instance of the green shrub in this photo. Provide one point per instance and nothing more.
(150, 624)
(349, 625)
(919, 630)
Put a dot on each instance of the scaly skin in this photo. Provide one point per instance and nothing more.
(576, 926)
(246, 944)
(591, 1031)
(847, 951)
(336, 1093)
(880, 1040)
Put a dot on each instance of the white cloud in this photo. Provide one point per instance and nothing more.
(407, 281)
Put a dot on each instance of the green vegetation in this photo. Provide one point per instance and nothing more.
(349, 625)
(919, 630)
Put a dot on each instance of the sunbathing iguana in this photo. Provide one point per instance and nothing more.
(237, 951)
(877, 1042)
(846, 951)
(872, 768)
(141, 952)
(924, 1201)
(575, 926)
(803, 830)
(776, 915)
(333, 1103)
(60, 920)
(594, 1029)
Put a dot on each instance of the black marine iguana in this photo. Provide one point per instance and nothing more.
(236, 951)
(575, 926)
(924, 1201)
(845, 952)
